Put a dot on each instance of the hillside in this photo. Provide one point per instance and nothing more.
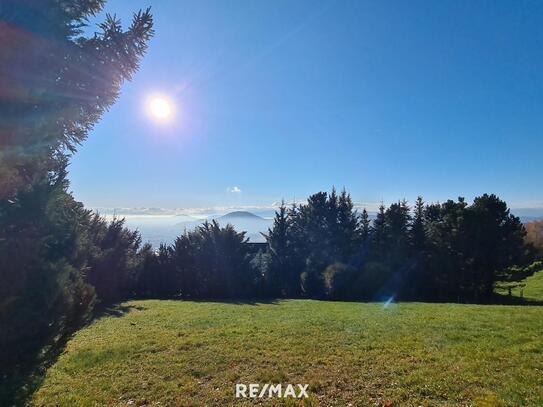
(248, 222)
(193, 353)
(530, 289)
(534, 287)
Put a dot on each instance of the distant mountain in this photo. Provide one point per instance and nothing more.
(244, 221)
(237, 215)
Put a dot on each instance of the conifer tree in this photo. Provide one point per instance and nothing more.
(56, 83)
(313, 222)
(397, 220)
(417, 235)
(365, 227)
(278, 279)
(378, 233)
(348, 227)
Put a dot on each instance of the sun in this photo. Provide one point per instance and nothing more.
(160, 108)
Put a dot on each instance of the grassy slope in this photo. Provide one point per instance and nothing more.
(187, 353)
(533, 289)
(534, 286)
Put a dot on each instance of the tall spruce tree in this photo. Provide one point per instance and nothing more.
(278, 279)
(313, 222)
(417, 235)
(397, 220)
(348, 227)
(56, 83)
(378, 233)
(365, 227)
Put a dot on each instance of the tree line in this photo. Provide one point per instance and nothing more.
(325, 249)
(453, 251)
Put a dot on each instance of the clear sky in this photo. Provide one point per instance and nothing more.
(282, 98)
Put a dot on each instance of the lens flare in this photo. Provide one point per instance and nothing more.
(160, 108)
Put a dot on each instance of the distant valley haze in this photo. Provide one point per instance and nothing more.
(163, 225)
(160, 228)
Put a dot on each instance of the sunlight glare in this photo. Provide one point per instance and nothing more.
(160, 108)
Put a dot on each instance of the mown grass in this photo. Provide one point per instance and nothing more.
(530, 288)
(171, 353)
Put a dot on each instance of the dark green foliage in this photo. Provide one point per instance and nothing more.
(158, 277)
(56, 260)
(221, 264)
(396, 236)
(260, 263)
(469, 248)
(285, 265)
(417, 232)
(346, 222)
(339, 279)
(209, 262)
(55, 84)
(496, 242)
(440, 252)
(313, 221)
(307, 239)
(43, 296)
(378, 233)
(114, 259)
(365, 228)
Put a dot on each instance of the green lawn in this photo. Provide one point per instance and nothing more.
(530, 288)
(171, 353)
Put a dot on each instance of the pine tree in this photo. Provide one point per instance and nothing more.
(378, 233)
(332, 228)
(417, 236)
(56, 83)
(313, 222)
(348, 227)
(365, 227)
(494, 242)
(278, 279)
(397, 220)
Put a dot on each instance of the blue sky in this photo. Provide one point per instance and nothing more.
(276, 99)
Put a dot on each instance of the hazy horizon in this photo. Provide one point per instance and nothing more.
(163, 225)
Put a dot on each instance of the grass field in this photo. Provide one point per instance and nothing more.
(530, 289)
(171, 353)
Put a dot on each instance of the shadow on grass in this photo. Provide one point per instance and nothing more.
(502, 299)
(226, 300)
(115, 310)
(19, 383)
(247, 301)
